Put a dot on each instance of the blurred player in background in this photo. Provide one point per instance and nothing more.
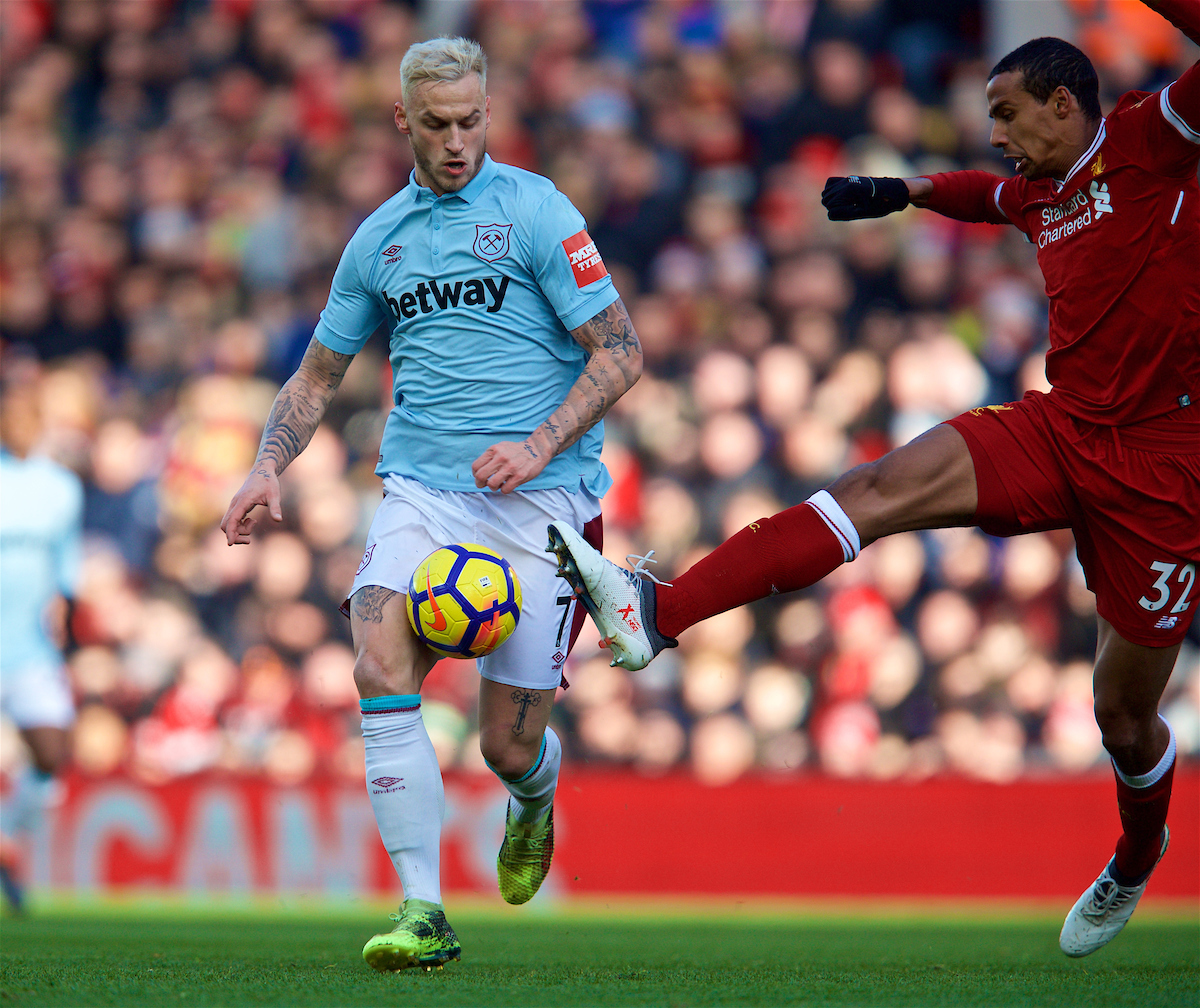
(508, 346)
(41, 506)
(1112, 452)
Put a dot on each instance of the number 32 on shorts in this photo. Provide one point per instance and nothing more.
(1185, 577)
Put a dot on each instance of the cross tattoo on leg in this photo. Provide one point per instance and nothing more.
(527, 699)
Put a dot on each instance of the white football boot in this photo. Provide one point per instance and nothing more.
(621, 602)
(1104, 909)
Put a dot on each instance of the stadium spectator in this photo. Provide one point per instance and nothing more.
(180, 179)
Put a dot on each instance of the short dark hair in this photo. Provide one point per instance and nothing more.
(1049, 63)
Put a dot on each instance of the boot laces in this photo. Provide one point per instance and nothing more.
(639, 568)
(1107, 895)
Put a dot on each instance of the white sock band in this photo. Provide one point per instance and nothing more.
(1160, 768)
(404, 784)
(534, 790)
(838, 521)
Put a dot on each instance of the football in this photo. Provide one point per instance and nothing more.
(464, 600)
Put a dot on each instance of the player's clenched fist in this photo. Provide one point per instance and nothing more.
(856, 197)
(506, 465)
(261, 487)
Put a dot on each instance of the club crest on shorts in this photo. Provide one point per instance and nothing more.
(365, 560)
(491, 241)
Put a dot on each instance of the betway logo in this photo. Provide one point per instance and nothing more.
(431, 296)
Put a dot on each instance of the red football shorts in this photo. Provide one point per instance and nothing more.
(1130, 494)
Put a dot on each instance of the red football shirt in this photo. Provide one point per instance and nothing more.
(1119, 245)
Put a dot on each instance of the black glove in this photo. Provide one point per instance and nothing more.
(857, 196)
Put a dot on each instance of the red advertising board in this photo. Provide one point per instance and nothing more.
(618, 832)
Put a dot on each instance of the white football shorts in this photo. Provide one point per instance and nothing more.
(37, 696)
(413, 520)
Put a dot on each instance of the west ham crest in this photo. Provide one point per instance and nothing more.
(491, 241)
(362, 566)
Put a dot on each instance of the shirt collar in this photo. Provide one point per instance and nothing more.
(468, 193)
(1086, 156)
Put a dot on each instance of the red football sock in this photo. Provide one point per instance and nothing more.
(1143, 815)
(791, 550)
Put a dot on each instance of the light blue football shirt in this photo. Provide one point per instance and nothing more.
(481, 288)
(41, 505)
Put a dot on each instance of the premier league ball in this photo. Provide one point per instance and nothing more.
(464, 600)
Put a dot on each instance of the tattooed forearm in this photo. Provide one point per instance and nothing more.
(368, 602)
(614, 364)
(299, 406)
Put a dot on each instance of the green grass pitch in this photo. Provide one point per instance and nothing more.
(715, 954)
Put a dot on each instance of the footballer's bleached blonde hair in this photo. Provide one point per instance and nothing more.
(441, 59)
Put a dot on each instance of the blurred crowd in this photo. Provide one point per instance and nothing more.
(178, 180)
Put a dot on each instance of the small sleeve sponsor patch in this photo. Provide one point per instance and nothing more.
(586, 264)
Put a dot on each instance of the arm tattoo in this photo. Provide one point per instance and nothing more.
(614, 364)
(301, 403)
(613, 330)
(368, 602)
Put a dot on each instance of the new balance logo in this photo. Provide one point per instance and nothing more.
(1166, 623)
(432, 296)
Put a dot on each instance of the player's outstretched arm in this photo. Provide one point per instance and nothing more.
(614, 364)
(295, 414)
(963, 195)
(1183, 14)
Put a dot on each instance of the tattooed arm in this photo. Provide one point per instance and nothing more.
(297, 411)
(614, 364)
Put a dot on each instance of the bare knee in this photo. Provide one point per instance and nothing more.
(1130, 737)
(927, 483)
(374, 677)
(508, 754)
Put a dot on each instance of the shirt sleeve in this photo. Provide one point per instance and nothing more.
(1183, 14)
(1161, 131)
(566, 264)
(1179, 103)
(352, 312)
(968, 196)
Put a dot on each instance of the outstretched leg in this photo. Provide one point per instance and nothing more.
(927, 483)
(1128, 683)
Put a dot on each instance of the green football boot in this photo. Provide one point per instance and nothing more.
(525, 856)
(422, 937)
